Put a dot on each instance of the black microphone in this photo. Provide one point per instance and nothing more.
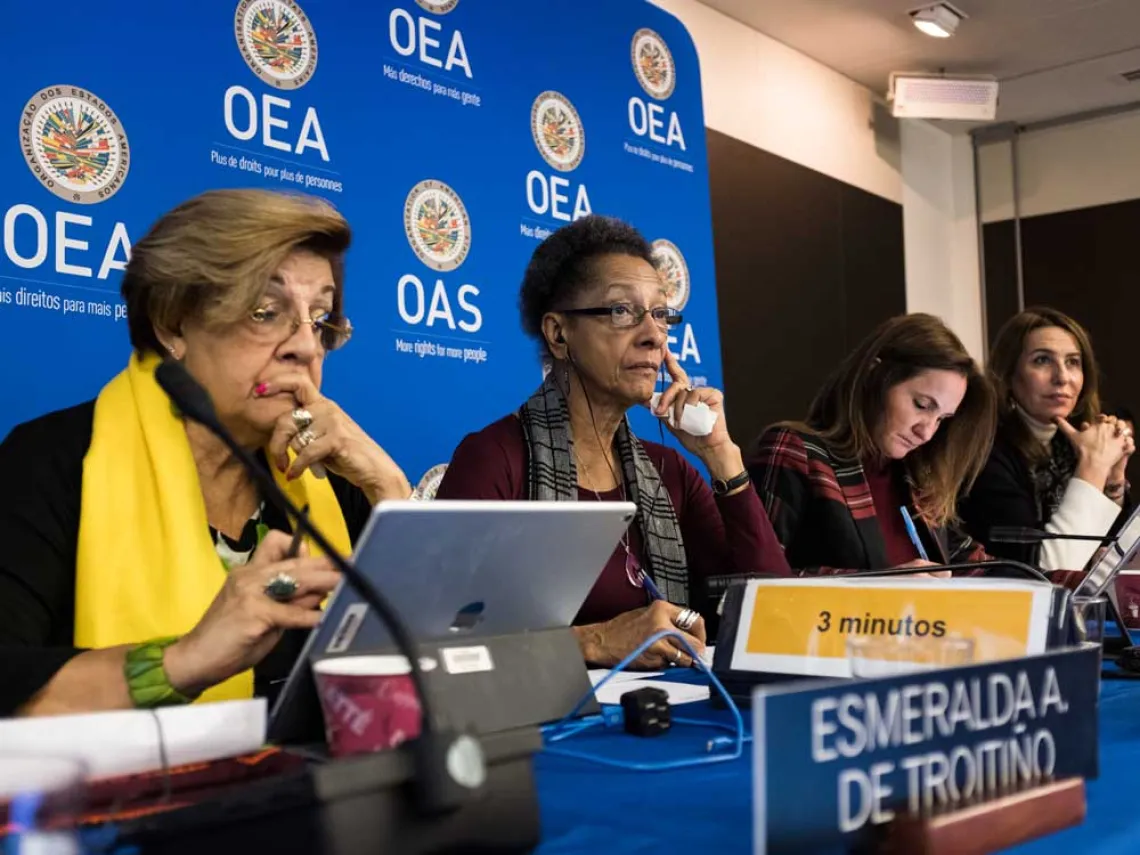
(438, 787)
(1022, 534)
(1022, 569)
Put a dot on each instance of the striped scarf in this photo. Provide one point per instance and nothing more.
(552, 476)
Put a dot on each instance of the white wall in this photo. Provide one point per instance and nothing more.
(940, 230)
(1064, 168)
(764, 93)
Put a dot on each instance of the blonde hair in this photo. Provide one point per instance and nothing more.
(211, 258)
(847, 409)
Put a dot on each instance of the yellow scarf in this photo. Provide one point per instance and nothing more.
(146, 566)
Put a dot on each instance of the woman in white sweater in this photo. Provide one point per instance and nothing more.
(1057, 463)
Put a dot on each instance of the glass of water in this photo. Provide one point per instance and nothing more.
(890, 656)
(41, 802)
(1089, 615)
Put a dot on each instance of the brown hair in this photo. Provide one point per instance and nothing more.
(848, 407)
(211, 257)
(1004, 358)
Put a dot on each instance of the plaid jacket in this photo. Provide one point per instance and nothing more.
(822, 511)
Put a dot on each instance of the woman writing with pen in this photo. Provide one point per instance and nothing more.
(597, 307)
(871, 478)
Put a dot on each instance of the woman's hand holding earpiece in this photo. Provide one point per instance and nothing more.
(721, 456)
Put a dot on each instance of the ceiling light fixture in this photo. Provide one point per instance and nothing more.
(939, 21)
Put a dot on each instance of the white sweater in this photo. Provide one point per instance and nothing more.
(1083, 510)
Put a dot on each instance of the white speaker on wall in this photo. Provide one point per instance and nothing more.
(937, 96)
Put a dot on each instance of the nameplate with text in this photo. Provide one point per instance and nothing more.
(833, 761)
(802, 626)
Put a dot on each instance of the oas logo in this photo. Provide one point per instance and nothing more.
(429, 484)
(74, 144)
(438, 7)
(276, 41)
(671, 264)
(557, 131)
(653, 64)
(437, 225)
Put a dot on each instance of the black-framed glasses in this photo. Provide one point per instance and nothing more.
(333, 330)
(627, 315)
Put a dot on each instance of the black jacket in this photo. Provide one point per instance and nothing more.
(1003, 496)
(41, 464)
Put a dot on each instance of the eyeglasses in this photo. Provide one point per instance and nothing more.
(333, 330)
(626, 315)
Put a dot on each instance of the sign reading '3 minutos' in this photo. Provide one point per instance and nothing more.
(801, 626)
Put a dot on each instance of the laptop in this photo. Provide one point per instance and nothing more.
(459, 571)
(1104, 576)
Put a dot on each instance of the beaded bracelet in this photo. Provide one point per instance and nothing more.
(146, 677)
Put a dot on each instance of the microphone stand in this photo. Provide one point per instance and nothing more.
(1031, 536)
(1023, 570)
(448, 766)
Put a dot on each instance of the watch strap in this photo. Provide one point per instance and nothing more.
(721, 488)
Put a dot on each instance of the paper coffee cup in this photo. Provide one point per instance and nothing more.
(369, 702)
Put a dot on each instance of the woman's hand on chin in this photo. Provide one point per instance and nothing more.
(334, 441)
(608, 643)
(717, 451)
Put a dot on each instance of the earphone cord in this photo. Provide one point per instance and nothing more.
(607, 456)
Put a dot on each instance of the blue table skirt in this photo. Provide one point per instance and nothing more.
(588, 808)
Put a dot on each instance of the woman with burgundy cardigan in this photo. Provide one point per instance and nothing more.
(596, 304)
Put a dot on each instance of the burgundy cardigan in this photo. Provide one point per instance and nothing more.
(723, 536)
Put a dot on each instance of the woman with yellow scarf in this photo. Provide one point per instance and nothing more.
(141, 565)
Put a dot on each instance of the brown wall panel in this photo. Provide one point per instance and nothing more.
(806, 265)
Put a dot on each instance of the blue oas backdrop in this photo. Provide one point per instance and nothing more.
(453, 134)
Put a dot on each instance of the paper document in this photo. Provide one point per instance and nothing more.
(679, 693)
(127, 742)
(599, 674)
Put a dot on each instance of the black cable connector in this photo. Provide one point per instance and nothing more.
(647, 712)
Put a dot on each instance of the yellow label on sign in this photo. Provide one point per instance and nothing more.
(816, 620)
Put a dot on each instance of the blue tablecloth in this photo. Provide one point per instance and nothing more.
(591, 809)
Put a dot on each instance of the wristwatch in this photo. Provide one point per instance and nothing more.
(722, 488)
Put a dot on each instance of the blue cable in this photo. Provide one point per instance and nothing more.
(566, 728)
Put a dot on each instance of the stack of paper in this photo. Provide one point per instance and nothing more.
(628, 681)
(128, 742)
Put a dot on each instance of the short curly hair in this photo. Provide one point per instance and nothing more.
(564, 262)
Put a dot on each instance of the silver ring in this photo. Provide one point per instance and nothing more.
(689, 388)
(676, 657)
(302, 418)
(281, 587)
(685, 619)
(305, 437)
(1126, 432)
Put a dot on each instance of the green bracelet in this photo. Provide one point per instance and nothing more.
(146, 678)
